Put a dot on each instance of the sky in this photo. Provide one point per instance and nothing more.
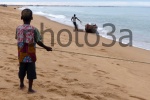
(69, 0)
(79, 2)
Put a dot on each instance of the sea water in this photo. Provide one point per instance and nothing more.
(136, 19)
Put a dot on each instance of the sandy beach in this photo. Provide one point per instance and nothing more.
(114, 73)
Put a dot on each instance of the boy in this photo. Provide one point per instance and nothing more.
(27, 37)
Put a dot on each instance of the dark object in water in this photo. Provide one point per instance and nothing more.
(91, 28)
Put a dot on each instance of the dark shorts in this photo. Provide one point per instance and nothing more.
(75, 24)
(28, 68)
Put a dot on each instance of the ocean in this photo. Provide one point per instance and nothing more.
(136, 19)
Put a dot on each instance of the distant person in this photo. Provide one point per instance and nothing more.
(27, 37)
(73, 19)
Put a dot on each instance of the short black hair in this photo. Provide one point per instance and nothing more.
(26, 15)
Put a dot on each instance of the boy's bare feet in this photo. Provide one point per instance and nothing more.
(22, 86)
(31, 91)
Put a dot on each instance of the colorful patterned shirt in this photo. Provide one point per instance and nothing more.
(27, 36)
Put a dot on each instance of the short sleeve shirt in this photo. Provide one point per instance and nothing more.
(74, 19)
(27, 36)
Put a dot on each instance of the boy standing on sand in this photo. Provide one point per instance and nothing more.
(27, 37)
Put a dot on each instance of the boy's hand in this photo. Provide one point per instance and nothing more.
(48, 48)
(42, 45)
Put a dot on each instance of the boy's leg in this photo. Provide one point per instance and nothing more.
(22, 74)
(30, 86)
(21, 83)
(31, 75)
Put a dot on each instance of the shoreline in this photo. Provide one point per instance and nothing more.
(88, 33)
(69, 76)
(134, 44)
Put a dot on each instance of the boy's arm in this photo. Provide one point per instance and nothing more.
(38, 41)
(44, 46)
(78, 19)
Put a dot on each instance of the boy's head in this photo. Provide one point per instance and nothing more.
(26, 15)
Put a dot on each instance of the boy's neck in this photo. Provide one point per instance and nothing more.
(27, 22)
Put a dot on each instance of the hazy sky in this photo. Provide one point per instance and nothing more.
(65, 0)
(79, 2)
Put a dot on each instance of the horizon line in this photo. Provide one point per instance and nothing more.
(78, 3)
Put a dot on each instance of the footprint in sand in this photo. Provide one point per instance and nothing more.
(8, 80)
(83, 59)
(100, 73)
(12, 70)
(136, 97)
(109, 78)
(88, 92)
(118, 64)
(115, 85)
(60, 65)
(100, 98)
(12, 59)
(7, 64)
(61, 92)
(55, 60)
(5, 68)
(1, 66)
(103, 50)
(11, 54)
(55, 70)
(48, 81)
(41, 75)
(3, 88)
(86, 85)
(74, 69)
(95, 64)
(16, 85)
(60, 57)
(59, 86)
(41, 85)
(112, 95)
(42, 97)
(8, 74)
(82, 95)
(69, 80)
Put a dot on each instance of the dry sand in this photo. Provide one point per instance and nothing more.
(68, 76)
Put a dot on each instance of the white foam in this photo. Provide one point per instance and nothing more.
(141, 45)
(40, 13)
(57, 16)
(102, 32)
